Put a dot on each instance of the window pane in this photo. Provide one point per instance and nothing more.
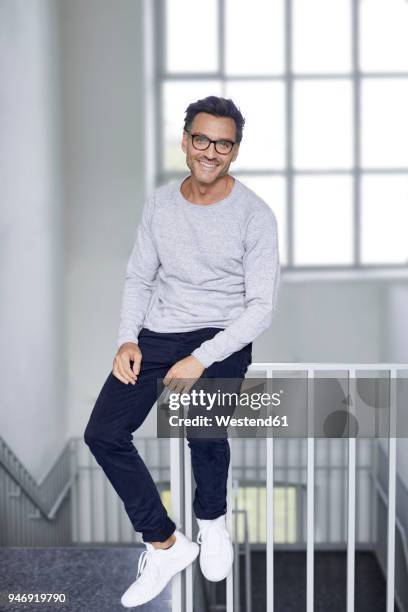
(254, 36)
(323, 221)
(176, 97)
(384, 219)
(321, 36)
(383, 31)
(385, 122)
(322, 124)
(272, 190)
(191, 36)
(262, 105)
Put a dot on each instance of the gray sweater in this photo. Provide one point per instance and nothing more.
(195, 266)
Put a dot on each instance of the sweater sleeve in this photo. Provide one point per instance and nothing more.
(141, 272)
(262, 279)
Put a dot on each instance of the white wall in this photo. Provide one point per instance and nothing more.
(32, 355)
(104, 171)
(396, 338)
(325, 321)
(397, 347)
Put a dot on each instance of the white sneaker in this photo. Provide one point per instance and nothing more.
(157, 567)
(217, 553)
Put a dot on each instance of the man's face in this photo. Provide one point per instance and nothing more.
(207, 166)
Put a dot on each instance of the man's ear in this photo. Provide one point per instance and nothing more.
(235, 155)
(184, 141)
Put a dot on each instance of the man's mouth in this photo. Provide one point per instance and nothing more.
(207, 165)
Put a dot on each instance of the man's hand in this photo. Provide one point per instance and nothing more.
(129, 351)
(183, 374)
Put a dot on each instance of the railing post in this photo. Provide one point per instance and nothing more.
(248, 572)
(269, 517)
(310, 495)
(229, 520)
(392, 452)
(188, 521)
(177, 497)
(236, 568)
(351, 494)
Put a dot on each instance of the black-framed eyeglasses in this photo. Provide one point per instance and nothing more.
(202, 142)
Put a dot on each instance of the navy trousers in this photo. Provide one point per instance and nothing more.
(120, 410)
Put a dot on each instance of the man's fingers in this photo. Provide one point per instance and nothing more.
(168, 378)
(118, 376)
(136, 365)
(187, 388)
(177, 385)
(173, 383)
(126, 369)
(122, 370)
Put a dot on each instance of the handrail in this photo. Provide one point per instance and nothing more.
(10, 463)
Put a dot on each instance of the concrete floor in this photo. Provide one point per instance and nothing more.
(330, 582)
(93, 579)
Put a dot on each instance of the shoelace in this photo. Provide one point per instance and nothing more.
(145, 557)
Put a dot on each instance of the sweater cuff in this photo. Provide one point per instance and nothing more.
(203, 356)
(127, 338)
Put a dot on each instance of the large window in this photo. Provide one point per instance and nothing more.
(323, 86)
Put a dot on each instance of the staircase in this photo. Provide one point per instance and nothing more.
(83, 533)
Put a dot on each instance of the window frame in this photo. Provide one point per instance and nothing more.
(356, 76)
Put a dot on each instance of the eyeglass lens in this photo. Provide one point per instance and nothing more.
(201, 142)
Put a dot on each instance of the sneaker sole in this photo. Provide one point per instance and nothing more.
(180, 568)
(218, 579)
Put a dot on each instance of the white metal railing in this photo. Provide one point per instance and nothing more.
(247, 553)
(402, 536)
(181, 492)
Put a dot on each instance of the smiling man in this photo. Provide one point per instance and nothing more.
(201, 284)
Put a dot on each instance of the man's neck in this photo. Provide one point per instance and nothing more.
(201, 193)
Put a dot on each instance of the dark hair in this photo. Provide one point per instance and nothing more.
(219, 107)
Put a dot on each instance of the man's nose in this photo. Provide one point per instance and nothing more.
(211, 152)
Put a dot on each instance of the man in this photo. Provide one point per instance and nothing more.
(201, 284)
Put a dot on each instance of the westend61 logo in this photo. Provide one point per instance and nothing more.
(207, 400)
